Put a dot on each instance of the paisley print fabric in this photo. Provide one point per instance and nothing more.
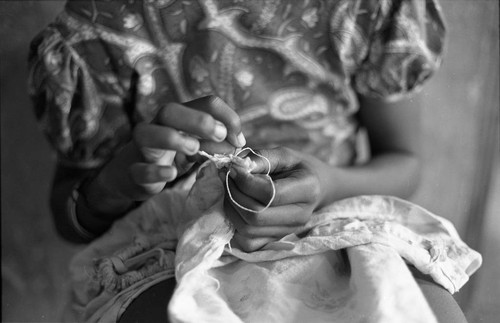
(291, 69)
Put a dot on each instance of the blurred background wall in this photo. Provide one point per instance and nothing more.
(34, 258)
(460, 155)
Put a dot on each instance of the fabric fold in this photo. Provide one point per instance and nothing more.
(349, 263)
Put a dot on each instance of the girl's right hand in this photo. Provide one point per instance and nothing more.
(164, 148)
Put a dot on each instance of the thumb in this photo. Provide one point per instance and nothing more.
(274, 160)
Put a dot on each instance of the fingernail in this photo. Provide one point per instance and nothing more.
(192, 145)
(220, 131)
(241, 139)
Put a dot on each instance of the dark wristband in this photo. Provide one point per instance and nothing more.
(72, 203)
(88, 222)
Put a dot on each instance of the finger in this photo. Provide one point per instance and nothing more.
(249, 244)
(274, 160)
(151, 177)
(216, 107)
(145, 173)
(164, 138)
(256, 186)
(191, 121)
(256, 191)
(211, 147)
(295, 187)
(249, 201)
(257, 231)
(289, 215)
(183, 163)
(158, 156)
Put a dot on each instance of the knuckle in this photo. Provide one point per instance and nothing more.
(313, 188)
(288, 155)
(256, 220)
(315, 192)
(246, 230)
(205, 122)
(165, 112)
(247, 244)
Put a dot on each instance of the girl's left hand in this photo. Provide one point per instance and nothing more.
(298, 181)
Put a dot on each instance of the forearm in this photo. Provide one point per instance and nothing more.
(391, 173)
(79, 201)
(98, 206)
(395, 140)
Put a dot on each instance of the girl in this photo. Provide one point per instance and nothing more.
(129, 93)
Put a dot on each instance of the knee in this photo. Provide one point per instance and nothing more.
(441, 302)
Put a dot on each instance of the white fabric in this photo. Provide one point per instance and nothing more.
(346, 265)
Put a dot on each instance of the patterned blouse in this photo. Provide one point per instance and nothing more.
(292, 69)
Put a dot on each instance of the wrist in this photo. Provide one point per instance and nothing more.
(100, 198)
(329, 185)
(89, 220)
(85, 222)
(326, 180)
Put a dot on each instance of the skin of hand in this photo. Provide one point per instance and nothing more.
(304, 184)
(178, 129)
(299, 190)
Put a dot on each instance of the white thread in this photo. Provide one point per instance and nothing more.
(225, 161)
(218, 159)
(267, 175)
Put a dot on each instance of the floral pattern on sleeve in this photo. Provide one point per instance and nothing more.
(404, 50)
(291, 69)
(80, 111)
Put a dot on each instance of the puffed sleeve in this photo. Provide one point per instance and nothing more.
(79, 101)
(405, 47)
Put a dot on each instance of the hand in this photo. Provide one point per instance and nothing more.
(299, 182)
(178, 132)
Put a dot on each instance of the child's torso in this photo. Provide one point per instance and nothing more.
(283, 65)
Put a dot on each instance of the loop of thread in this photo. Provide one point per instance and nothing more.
(267, 175)
(221, 161)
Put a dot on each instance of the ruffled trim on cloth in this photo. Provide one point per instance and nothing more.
(348, 264)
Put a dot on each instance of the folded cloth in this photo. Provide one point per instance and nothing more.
(347, 264)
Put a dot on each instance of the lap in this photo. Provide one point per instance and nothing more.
(151, 305)
(441, 302)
